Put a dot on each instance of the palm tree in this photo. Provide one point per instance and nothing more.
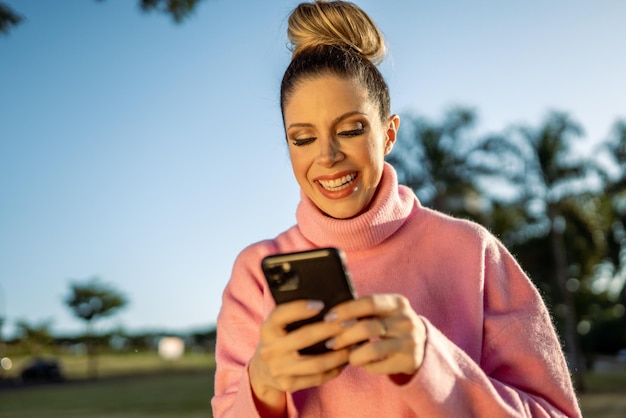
(612, 167)
(530, 191)
(432, 159)
(559, 227)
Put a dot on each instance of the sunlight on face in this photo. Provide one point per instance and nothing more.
(337, 143)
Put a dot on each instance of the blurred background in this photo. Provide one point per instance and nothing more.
(141, 149)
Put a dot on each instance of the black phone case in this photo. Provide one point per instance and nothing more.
(318, 274)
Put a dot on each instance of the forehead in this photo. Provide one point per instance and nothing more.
(327, 96)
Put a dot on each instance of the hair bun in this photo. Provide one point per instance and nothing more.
(335, 23)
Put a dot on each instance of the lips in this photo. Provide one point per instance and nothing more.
(339, 183)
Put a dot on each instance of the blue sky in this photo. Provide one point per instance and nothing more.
(150, 154)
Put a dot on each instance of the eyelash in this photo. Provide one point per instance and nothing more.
(302, 142)
(348, 134)
(354, 132)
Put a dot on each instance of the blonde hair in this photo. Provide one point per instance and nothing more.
(338, 23)
(335, 37)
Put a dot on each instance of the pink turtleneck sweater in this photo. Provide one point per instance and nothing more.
(491, 349)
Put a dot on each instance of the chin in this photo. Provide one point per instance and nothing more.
(343, 213)
(345, 208)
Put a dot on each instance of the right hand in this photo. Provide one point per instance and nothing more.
(276, 366)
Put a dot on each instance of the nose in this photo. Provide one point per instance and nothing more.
(329, 152)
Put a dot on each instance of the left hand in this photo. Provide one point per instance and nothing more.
(394, 335)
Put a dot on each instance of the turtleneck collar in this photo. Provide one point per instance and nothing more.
(390, 208)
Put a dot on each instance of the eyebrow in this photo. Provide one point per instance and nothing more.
(334, 122)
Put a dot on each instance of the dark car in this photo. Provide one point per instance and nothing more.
(42, 371)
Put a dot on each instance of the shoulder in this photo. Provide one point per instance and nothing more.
(289, 240)
(441, 224)
(254, 253)
(246, 270)
(463, 235)
(456, 229)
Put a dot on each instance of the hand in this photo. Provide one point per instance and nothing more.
(276, 366)
(394, 335)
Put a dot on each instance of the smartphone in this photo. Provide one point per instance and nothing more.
(318, 274)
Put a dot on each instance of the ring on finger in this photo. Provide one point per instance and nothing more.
(383, 329)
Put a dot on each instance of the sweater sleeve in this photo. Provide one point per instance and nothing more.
(522, 370)
(238, 324)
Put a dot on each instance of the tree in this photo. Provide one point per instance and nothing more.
(586, 224)
(8, 18)
(179, 10)
(89, 301)
(523, 185)
(34, 336)
(433, 159)
(608, 331)
(614, 191)
(557, 239)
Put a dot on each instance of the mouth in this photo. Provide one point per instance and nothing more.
(338, 184)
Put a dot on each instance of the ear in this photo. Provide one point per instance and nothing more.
(393, 124)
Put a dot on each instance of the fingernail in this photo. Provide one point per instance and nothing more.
(315, 305)
(330, 344)
(330, 316)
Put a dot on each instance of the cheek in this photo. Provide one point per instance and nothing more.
(298, 164)
(376, 158)
(375, 153)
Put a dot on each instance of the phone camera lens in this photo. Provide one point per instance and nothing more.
(276, 274)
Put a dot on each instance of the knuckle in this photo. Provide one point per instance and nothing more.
(401, 301)
(371, 302)
(266, 354)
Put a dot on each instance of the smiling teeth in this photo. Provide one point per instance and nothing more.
(338, 184)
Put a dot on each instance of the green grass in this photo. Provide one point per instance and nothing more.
(606, 395)
(162, 395)
(75, 367)
(131, 385)
(141, 385)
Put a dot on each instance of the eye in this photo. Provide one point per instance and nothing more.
(300, 142)
(354, 132)
(358, 130)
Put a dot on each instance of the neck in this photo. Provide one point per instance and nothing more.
(387, 211)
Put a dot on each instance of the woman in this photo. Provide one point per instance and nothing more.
(452, 325)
